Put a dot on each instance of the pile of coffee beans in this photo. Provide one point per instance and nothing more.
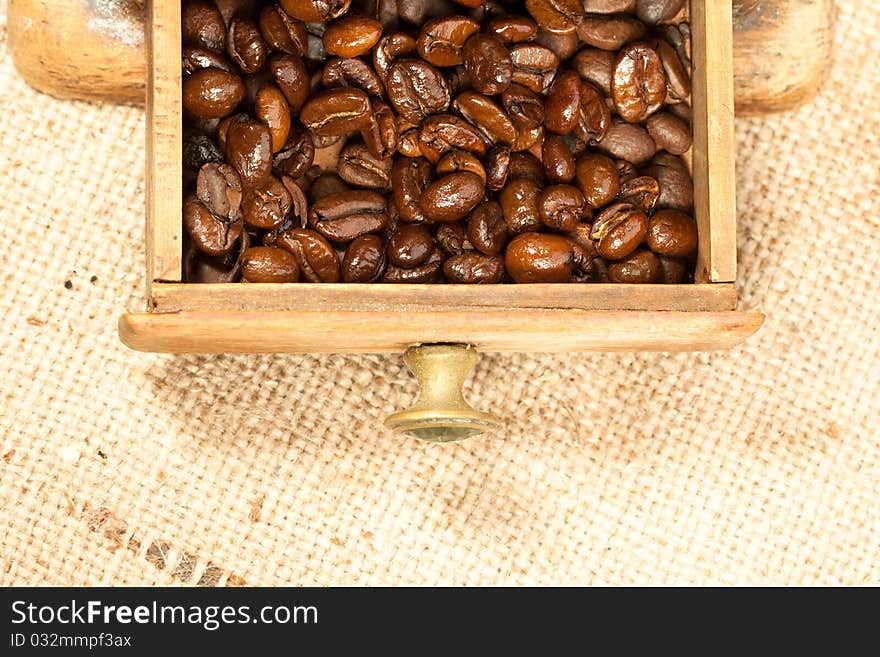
(426, 141)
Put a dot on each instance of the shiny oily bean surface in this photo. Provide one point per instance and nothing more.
(249, 150)
(292, 78)
(628, 141)
(560, 207)
(640, 267)
(271, 108)
(473, 268)
(268, 206)
(297, 154)
(619, 230)
(282, 32)
(203, 25)
(218, 186)
(596, 66)
(210, 234)
(497, 167)
(315, 256)
(352, 72)
(416, 89)
(540, 258)
(642, 192)
(672, 233)
(269, 264)
(556, 15)
(364, 260)
(638, 85)
(360, 168)
(598, 179)
(488, 64)
(669, 132)
(652, 12)
(487, 116)
(452, 197)
(352, 36)
(442, 40)
(534, 66)
(486, 228)
(512, 29)
(442, 133)
(315, 11)
(610, 32)
(410, 245)
(336, 112)
(343, 216)
(563, 102)
(212, 94)
(559, 163)
(245, 44)
(519, 204)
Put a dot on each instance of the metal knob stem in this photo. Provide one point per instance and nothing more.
(441, 413)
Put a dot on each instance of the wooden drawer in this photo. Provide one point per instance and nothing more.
(306, 317)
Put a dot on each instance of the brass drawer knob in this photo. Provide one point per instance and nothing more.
(441, 413)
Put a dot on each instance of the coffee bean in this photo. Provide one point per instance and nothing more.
(203, 25)
(314, 11)
(219, 187)
(364, 260)
(352, 36)
(269, 264)
(441, 40)
(245, 44)
(266, 207)
(416, 89)
(597, 177)
(196, 58)
(564, 45)
(619, 230)
(556, 15)
(563, 103)
(512, 29)
(526, 165)
(610, 6)
(210, 234)
(380, 134)
(560, 207)
(426, 273)
(452, 197)
(326, 184)
(627, 141)
(410, 245)
(199, 267)
(676, 187)
(559, 164)
(390, 47)
(596, 66)
(540, 258)
(212, 94)
(673, 234)
(360, 168)
(524, 107)
(638, 86)
(670, 132)
(352, 72)
(486, 228)
(488, 64)
(534, 66)
(450, 237)
(658, 11)
(519, 203)
(282, 32)
(610, 32)
(497, 167)
(249, 150)
(336, 112)
(487, 116)
(297, 154)
(442, 133)
(271, 108)
(456, 161)
(474, 268)
(640, 267)
(343, 216)
(410, 178)
(678, 84)
(292, 78)
(315, 256)
(673, 270)
(642, 192)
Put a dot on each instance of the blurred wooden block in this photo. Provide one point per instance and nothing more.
(94, 49)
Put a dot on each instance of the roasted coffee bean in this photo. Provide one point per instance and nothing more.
(336, 112)
(641, 267)
(426, 273)
(416, 89)
(512, 29)
(474, 268)
(360, 168)
(219, 187)
(352, 72)
(559, 164)
(528, 139)
(610, 6)
(628, 141)
(658, 11)
(245, 44)
(380, 134)
(487, 116)
(610, 32)
(596, 66)
(410, 245)
(452, 197)
(351, 36)
(540, 258)
(315, 11)
(212, 94)
(456, 161)
(315, 256)
(196, 58)
(524, 107)
(410, 178)
(203, 25)
(441, 40)
(442, 133)
(408, 143)
(519, 204)
(673, 234)
(223, 127)
(497, 167)
(673, 270)
(450, 237)
(269, 264)
(325, 185)
(457, 80)
(271, 108)
(556, 15)
(282, 32)
(597, 177)
(676, 187)
(670, 133)
(488, 64)
(638, 86)
(594, 117)
(390, 47)
(344, 216)
(642, 192)
(364, 260)
(564, 45)
(619, 230)
(580, 235)
(526, 165)
(210, 234)
(249, 150)
(292, 78)
(534, 66)
(560, 207)
(678, 84)
(199, 267)
(486, 228)
(297, 154)
(266, 207)
(563, 103)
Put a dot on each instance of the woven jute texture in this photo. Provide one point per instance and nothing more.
(756, 466)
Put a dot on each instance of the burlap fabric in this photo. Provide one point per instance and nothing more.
(756, 466)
